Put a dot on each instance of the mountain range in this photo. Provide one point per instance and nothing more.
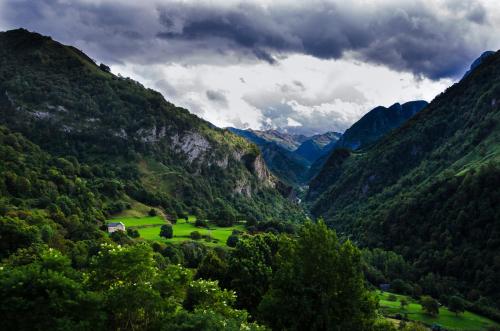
(297, 159)
(289, 156)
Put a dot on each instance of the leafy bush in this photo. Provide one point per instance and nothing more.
(167, 231)
(195, 235)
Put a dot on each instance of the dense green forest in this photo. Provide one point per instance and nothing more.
(429, 191)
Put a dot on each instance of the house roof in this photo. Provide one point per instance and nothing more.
(110, 225)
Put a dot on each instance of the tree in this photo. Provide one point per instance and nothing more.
(318, 285)
(200, 223)
(16, 233)
(232, 240)
(152, 212)
(133, 233)
(251, 267)
(195, 235)
(40, 291)
(167, 231)
(429, 305)
(104, 67)
(456, 305)
(212, 267)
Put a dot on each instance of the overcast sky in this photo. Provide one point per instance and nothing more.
(302, 66)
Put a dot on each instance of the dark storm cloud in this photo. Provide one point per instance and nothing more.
(412, 36)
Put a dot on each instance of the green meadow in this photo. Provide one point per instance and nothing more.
(446, 319)
(149, 229)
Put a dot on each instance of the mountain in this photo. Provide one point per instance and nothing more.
(141, 147)
(283, 163)
(367, 130)
(478, 61)
(288, 156)
(428, 190)
(317, 145)
(285, 140)
(376, 123)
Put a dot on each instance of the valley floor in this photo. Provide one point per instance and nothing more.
(446, 319)
(149, 229)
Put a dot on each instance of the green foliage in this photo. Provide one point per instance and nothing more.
(318, 285)
(201, 223)
(195, 235)
(232, 240)
(44, 293)
(167, 231)
(15, 234)
(429, 305)
(456, 305)
(212, 267)
(251, 268)
(125, 289)
(132, 233)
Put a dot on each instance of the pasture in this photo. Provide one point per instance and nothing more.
(447, 319)
(149, 229)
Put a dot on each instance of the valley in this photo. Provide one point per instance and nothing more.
(120, 210)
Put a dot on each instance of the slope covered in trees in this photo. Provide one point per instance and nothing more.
(368, 129)
(160, 154)
(429, 190)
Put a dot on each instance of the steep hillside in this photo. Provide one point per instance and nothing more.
(289, 156)
(317, 145)
(368, 129)
(283, 163)
(429, 190)
(286, 165)
(376, 123)
(161, 154)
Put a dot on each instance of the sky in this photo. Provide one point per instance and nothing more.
(299, 66)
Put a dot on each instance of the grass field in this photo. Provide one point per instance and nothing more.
(447, 319)
(149, 229)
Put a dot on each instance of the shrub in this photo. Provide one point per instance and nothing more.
(195, 235)
(201, 223)
(167, 231)
(152, 212)
(132, 233)
(232, 240)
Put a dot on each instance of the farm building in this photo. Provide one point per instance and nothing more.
(119, 226)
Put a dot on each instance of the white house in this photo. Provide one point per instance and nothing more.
(119, 226)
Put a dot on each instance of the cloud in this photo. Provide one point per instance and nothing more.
(217, 97)
(435, 39)
(302, 66)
